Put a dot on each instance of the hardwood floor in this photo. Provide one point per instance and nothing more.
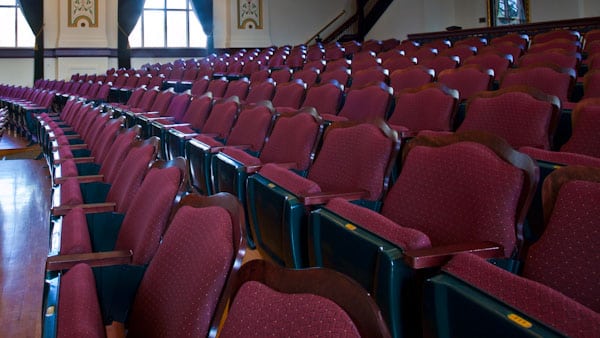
(24, 226)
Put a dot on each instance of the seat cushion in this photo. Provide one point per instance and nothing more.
(259, 311)
(75, 236)
(289, 180)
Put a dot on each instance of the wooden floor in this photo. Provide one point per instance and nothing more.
(24, 225)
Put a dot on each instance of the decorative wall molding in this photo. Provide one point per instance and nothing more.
(250, 14)
(83, 13)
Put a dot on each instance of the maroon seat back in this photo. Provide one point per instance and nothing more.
(585, 121)
(367, 103)
(261, 91)
(197, 111)
(252, 126)
(326, 98)
(468, 80)
(411, 77)
(549, 79)
(289, 94)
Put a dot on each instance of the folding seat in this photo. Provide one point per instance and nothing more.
(261, 303)
(239, 88)
(366, 103)
(340, 75)
(292, 144)
(143, 115)
(200, 86)
(116, 195)
(554, 35)
(334, 51)
(277, 61)
(468, 80)
(219, 87)
(429, 107)
(187, 79)
(326, 98)
(133, 101)
(249, 132)
(351, 47)
(322, 64)
(407, 46)
(439, 44)
(389, 253)
(178, 111)
(389, 44)
(562, 44)
(281, 75)
(498, 62)
(315, 52)
(218, 124)
(440, 63)
(558, 57)
(393, 60)
(259, 75)
(422, 54)
(201, 250)
(462, 51)
(156, 81)
(515, 38)
(548, 78)
(536, 302)
(510, 48)
(354, 162)
(262, 91)
(251, 67)
(364, 60)
(411, 77)
(309, 76)
(372, 45)
(523, 116)
(591, 84)
(473, 41)
(364, 77)
(589, 37)
(289, 95)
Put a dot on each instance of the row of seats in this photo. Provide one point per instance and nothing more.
(132, 248)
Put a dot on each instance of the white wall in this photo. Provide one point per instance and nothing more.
(401, 17)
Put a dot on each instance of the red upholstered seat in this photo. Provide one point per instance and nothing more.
(468, 80)
(411, 77)
(365, 103)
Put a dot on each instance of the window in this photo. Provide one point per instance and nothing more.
(508, 12)
(15, 29)
(165, 23)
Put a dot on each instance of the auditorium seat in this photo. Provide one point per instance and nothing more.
(394, 59)
(239, 88)
(411, 77)
(440, 63)
(426, 218)
(515, 38)
(278, 199)
(309, 75)
(289, 95)
(320, 301)
(262, 91)
(554, 34)
(180, 290)
(555, 294)
(249, 133)
(326, 97)
(559, 57)
(340, 75)
(468, 80)
(498, 62)
(366, 103)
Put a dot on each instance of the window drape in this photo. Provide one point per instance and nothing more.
(128, 15)
(33, 11)
(204, 11)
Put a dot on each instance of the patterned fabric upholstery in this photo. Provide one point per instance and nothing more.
(117, 153)
(127, 183)
(533, 298)
(69, 168)
(405, 238)
(70, 192)
(148, 214)
(289, 94)
(584, 137)
(546, 79)
(289, 180)
(237, 88)
(427, 109)
(75, 237)
(410, 77)
(476, 195)
(208, 140)
(218, 87)
(467, 80)
(251, 128)
(79, 314)
(241, 156)
(365, 103)
(183, 283)
(440, 63)
(260, 92)
(347, 155)
(561, 157)
(221, 119)
(494, 61)
(566, 257)
(515, 116)
(178, 106)
(259, 311)
(291, 141)
(197, 112)
(325, 98)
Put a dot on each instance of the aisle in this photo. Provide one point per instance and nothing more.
(24, 224)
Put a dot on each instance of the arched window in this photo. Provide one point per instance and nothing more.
(166, 24)
(16, 32)
(508, 12)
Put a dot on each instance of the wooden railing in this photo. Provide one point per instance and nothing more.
(582, 25)
(312, 38)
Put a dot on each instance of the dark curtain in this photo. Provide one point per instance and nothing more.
(129, 13)
(33, 10)
(204, 11)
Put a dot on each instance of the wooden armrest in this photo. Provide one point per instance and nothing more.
(91, 208)
(323, 198)
(171, 118)
(438, 256)
(78, 146)
(93, 259)
(115, 330)
(80, 179)
(76, 159)
(255, 168)
(174, 125)
(219, 148)
(407, 134)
